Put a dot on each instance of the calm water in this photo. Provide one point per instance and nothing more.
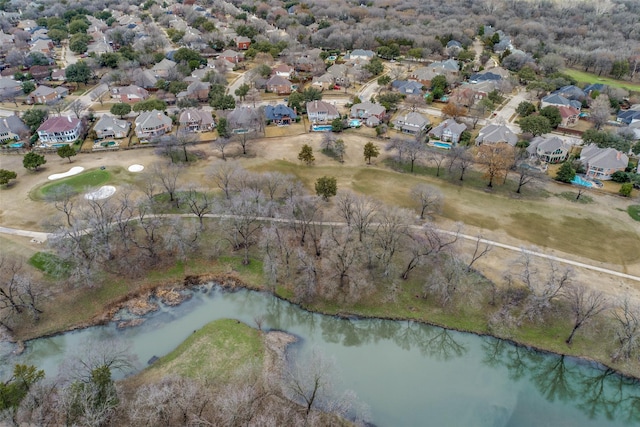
(408, 374)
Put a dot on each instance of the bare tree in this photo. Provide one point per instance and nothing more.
(77, 107)
(183, 139)
(225, 176)
(444, 280)
(243, 221)
(244, 140)
(585, 305)
(18, 293)
(600, 111)
(389, 235)
(63, 199)
(342, 254)
(426, 244)
(627, 317)
(200, 203)
(167, 174)
(438, 159)
(221, 144)
(526, 175)
(480, 250)
(429, 199)
(274, 182)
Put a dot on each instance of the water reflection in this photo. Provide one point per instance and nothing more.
(597, 392)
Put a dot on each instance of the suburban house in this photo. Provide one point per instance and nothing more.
(364, 110)
(407, 87)
(197, 90)
(321, 112)
(243, 119)
(548, 149)
(11, 128)
(152, 123)
(448, 131)
(601, 163)
(242, 43)
(284, 70)
(450, 66)
(232, 56)
(146, 79)
(629, 116)
(40, 72)
(557, 100)
(58, 75)
(453, 47)
(493, 134)
(42, 46)
(196, 120)
(571, 92)
(9, 88)
(63, 129)
(325, 81)
(424, 75)
(340, 73)
(360, 54)
(108, 126)
(306, 61)
(594, 87)
(279, 85)
(412, 123)
(485, 77)
(570, 116)
(163, 68)
(43, 95)
(280, 114)
(129, 94)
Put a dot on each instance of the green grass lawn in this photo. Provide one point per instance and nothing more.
(78, 183)
(634, 212)
(50, 264)
(213, 352)
(585, 77)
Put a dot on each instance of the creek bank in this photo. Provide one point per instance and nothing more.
(229, 281)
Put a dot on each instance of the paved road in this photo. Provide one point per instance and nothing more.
(41, 237)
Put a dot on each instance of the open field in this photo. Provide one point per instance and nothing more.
(585, 77)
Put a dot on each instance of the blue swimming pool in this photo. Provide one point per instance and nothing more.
(578, 180)
(16, 145)
(444, 145)
(355, 123)
(321, 128)
(58, 145)
(332, 58)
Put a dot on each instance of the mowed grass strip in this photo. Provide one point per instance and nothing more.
(634, 212)
(584, 77)
(565, 227)
(213, 352)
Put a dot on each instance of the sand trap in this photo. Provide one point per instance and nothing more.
(101, 193)
(136, 168)
(73, 171)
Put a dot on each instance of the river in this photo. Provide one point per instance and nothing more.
(407, 373)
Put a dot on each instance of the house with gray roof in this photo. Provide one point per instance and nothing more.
(364, 110)
(321, 112)
(571, 92)
(601, 163)
(9, 88)
(196, 120)
(243, 119)
(108, 126)
(152, 123)
(325, 81)
(360, 54)
(408, 87)
(163, 68)
(43, 95)
(484, 77)
(628, 116)
(548, 149)
(448, 131)
(280, 114)
(450, 66)
(494, 134)
(424, 75)
(557, 100)
(11, 128)
(279, 85)
(412, 123)
(129, 94)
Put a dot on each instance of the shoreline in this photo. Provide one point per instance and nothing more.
(232, 282)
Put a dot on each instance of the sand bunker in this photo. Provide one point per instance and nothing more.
(101, 193)
(136, 168)
(73, 171)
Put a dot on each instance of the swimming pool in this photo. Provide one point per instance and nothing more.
(16, 145)
(58, 145)
(355, 123)
(321, 128)
(578, 180)
(444, 145)
(332, 58)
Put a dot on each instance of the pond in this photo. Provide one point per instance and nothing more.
(407, 373)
